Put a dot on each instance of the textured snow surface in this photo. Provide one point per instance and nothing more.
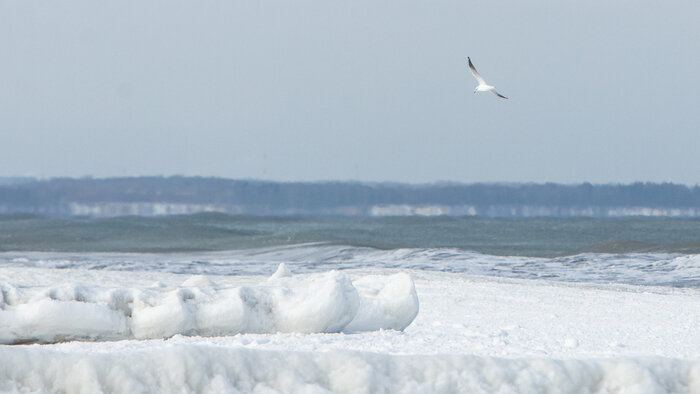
(208, 369)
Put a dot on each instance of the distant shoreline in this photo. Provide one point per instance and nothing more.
(159, 196)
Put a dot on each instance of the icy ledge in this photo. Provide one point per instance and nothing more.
(327, 302)
(167, 368)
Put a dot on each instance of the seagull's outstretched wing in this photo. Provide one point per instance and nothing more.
(475, 73)
(498, 94)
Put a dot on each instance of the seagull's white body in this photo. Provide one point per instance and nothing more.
(483, 86)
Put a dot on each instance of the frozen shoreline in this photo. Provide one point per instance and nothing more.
(466, 314)
(473, 333)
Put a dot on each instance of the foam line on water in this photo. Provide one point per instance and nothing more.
(655, 269)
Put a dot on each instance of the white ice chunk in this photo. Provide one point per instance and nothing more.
(156, 316)
(317, 303)
(223, 315)
(282, 272)
(385, 302)
(50, 320)
(199, 281)
(9, 295)
(322, 303)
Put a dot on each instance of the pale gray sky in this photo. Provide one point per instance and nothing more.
(600, 91)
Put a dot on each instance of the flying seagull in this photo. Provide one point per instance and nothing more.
(483, 86)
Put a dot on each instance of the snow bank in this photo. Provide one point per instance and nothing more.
(318, 303)
(207, 369)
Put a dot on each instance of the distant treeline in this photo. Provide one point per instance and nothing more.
(65, 196)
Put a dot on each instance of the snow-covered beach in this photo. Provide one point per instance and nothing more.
(471, 333)
(312, 197)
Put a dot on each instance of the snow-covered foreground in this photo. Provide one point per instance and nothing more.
(216, 369)
(472, 334)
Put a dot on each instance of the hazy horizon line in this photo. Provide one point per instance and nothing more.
(28, 178)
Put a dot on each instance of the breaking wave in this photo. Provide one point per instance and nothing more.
(654, 269)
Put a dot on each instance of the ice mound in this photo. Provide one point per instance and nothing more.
(317, 303)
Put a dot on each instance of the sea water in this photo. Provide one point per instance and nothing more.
(645, 251)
